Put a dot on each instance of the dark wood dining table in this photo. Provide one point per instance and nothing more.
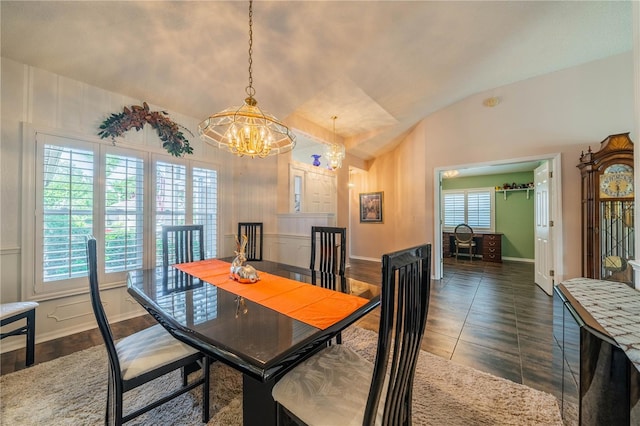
(258, 341)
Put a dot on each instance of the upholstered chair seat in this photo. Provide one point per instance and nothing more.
(322, 388)
(148, 349)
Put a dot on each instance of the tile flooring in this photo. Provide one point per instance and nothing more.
(492, 317)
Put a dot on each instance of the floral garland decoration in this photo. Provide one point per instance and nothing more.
(172, 138)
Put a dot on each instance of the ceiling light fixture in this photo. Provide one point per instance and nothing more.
(334, 152)
(247, 130)
(491, 102)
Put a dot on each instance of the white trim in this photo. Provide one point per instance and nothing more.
(371, 259)
(519, 259)
(556, 208)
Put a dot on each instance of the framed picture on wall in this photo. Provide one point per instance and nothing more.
(371, 207)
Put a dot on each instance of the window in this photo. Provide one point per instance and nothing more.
(176, 205)
(124, 189)
(86, 188)
(205, 206)
(475, 207)
(66, 213)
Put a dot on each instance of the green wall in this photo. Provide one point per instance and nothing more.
(514, 216)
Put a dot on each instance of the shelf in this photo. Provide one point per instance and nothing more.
(504, 191)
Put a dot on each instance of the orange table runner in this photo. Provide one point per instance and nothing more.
(313, 305)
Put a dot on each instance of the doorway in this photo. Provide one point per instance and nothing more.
(555, 208)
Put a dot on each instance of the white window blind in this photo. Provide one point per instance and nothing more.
(123, 239)
(479, 209)
(181, 200)
(67, 211)
(454, 208)
(86, 188)
(171, 192)
(475, 207)
(205, 207)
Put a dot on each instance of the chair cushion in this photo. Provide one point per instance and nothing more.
(149, 349)
(330, 388)
(10, 309)
(466, 245)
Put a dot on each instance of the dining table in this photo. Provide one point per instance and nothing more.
(262, 329)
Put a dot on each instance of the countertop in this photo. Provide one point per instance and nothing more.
(615, 306)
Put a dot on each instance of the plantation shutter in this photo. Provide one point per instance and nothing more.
(67, 211)
(205, 209)
(171, 184)
(123, 213)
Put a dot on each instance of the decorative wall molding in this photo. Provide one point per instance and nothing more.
(72, 310)
(9, 250)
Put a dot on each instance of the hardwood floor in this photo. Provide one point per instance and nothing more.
(484, 315)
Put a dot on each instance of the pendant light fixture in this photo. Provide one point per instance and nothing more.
(247, 130)
(334, 152)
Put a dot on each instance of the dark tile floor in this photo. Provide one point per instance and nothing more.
(484, 315)
(489, 316)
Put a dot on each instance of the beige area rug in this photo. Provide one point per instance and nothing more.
(72, 391)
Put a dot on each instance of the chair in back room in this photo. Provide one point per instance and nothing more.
(463, 235)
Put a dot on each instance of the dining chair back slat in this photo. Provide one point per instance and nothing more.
(328, 249)
(406, 285)
(253, 231)
(182, 244)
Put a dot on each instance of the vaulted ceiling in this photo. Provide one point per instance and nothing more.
(380, 66)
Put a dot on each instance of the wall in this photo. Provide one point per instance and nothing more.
(41, 99)
(563, 112)
(249, 189)
(514, 214)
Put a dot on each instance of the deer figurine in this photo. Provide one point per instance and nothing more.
(239, 271)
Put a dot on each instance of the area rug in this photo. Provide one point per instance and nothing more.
(72, 391)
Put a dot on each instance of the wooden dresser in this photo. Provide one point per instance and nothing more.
(488, 245)
(492, 247)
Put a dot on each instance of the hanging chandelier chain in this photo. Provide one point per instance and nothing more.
(247, 130)
(250, 90)
(334, 117)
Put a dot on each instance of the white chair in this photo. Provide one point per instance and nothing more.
(12, 312)
(464, 240)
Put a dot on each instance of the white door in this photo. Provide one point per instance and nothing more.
(543, 240)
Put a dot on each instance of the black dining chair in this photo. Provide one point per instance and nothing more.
(141, 357)
(253, 231)
(463, 235)
(328, 259)
(14, 312)
(182, 244)
(328, 249)
(328, 388)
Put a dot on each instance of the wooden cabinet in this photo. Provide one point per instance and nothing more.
(489, 246)
(492, 247)
(607, 210)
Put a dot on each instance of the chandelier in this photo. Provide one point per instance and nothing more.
(334, 152)
(247, 130)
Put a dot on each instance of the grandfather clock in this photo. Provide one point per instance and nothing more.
(607, 210)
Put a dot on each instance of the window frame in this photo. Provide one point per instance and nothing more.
(466, 192)
(34, 139)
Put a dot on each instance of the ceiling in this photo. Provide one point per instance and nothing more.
(380, 66)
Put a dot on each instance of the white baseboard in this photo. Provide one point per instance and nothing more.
(17, 342)
(519, 259)
(371, 259)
